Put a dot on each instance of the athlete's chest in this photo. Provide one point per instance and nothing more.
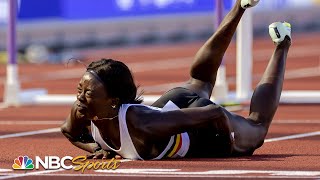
(148, 147)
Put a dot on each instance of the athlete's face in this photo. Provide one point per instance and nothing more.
(92, 98)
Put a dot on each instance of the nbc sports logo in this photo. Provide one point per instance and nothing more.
(50, 162)
(23, 162)
(79, 163)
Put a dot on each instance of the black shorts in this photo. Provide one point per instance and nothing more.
(205, 141)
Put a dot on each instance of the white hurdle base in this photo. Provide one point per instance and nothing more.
(25, 97)
(40, 97)
(304, 97)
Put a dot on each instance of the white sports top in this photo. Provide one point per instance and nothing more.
(177, 147)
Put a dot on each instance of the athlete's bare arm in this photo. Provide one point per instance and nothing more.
(77, 132)
(160, 125)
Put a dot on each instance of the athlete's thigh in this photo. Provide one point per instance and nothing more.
(203, 89)
(248, 134)
(180, 96)
(186, 94)
(212, 139)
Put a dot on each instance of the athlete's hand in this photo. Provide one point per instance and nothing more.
(100, 154)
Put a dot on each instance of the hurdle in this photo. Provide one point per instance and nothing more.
(14, 96)
(221, 90)
(12, 86)
(244, 69)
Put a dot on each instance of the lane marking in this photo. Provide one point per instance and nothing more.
(179, 173)
(30, 174)
(159, 88)
(244, 173)
(302, 73)
(176, 176)
(296, 122)
(30, 133)
(8, 122)
(296, 136)
(5, 170)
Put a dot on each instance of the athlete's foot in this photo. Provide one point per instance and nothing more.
(286, 43)
(248, 3)
(280, 31)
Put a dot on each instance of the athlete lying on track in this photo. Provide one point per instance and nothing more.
(107, 118)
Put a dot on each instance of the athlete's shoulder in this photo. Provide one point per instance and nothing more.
(137, 109)
(140, 110)
(140, 116)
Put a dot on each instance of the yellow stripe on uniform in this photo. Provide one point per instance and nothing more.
(178, 139)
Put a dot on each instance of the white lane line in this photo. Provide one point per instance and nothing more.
(296, 136)
(5, 170)
(290, 74)
(29, 133)
(296, 54)
(8, 122)
(180, 176)
(161, 87)
(296, 122)
(179, 173)
(244, 173)
(302, 73)
(30, 174)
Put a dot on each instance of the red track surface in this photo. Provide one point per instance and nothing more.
(297, 157)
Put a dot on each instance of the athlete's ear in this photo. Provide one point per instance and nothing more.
(115, 102)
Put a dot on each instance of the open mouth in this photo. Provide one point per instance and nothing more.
(81, 107)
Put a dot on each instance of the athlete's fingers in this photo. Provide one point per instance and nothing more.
(105, 155)
(90, 156)
(118, 157)
(98, 155)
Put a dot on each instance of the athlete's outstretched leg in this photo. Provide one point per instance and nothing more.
(209, 56)
(266, 96)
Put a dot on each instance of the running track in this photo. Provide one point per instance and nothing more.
(290, 151)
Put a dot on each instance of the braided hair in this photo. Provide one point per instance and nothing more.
(117, 80)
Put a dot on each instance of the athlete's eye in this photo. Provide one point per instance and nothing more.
(79, 89)
(88, 93)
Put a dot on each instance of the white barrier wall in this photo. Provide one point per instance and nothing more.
(53, 31)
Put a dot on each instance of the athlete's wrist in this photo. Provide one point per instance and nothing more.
(97, 148)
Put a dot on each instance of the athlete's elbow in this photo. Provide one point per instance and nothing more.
(66, 134)
(215, 111)
(64, 130)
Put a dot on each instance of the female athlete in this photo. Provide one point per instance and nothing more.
(107, 118)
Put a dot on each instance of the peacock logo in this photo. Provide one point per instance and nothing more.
(23, 162)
